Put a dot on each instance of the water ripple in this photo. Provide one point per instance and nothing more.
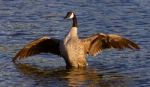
(22, 21)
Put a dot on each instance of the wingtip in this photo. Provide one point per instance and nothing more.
(137, 48)
(14, 60)
(133, 45)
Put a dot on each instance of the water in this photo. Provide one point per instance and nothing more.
(22, 21)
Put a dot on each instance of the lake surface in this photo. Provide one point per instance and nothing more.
(22, 21)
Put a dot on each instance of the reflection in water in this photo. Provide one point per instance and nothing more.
(72, 77)
(83, 77)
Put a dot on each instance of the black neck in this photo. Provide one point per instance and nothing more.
(75, 24)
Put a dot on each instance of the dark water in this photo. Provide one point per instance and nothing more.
(22, 21)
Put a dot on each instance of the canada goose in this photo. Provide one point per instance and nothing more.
(73, 49)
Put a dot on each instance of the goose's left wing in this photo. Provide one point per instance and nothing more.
(41, 45)
(96, 43)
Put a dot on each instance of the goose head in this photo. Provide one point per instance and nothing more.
(70, 15)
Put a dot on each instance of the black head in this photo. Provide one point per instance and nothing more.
(70, 15)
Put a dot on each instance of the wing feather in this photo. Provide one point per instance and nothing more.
(41, 45)
(98, 42)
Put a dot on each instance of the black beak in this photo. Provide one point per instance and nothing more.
(65, 17)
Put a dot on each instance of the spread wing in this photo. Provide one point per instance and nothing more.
(96, 43)
(41, 45)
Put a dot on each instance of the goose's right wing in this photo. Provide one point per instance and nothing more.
(41, 45)
(96, 43)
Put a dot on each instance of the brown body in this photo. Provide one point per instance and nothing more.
(74, 50)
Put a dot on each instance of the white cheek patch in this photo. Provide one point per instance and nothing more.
(71, 16)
